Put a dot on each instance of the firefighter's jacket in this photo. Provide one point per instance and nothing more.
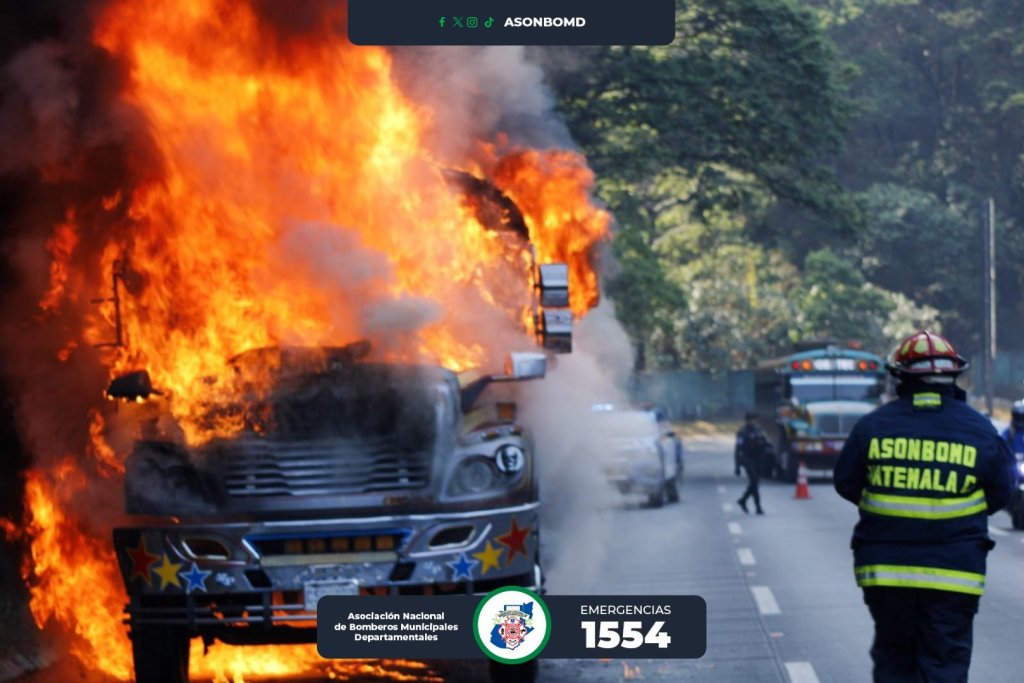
(925, 470)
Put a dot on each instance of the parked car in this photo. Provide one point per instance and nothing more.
(640, 455)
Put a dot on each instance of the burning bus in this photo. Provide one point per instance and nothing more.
(325, 471)
(300, 272)
(331, 473)
(348, 478)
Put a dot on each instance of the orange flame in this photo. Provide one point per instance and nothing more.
(299, 202)
(552, 190)
(73, 580)
(60, 247)
(73, 577)
(292, 200)
(99, 449)
(226, 664)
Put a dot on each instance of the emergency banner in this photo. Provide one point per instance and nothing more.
(512, 625)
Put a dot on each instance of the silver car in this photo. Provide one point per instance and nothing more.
(640, 454)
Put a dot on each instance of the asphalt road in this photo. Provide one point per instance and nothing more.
(781, 600)
(782, 604)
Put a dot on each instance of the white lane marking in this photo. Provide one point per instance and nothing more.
(735, 529)
(726, 507)
(721, 489)
(801, 672)
(996, 531)
(765, 600)
(746, 556)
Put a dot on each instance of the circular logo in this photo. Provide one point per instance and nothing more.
(512, 625)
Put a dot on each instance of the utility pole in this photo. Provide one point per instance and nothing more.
(988, 351)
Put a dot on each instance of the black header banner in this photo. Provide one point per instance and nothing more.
(511, 22)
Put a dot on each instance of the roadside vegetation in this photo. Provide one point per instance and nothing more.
(793, 169)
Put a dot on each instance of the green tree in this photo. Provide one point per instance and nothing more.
(739, 308)
(694, 142)
(925, 248)
(647, 299)
(839, 302)
(750, 85)
(940, 85)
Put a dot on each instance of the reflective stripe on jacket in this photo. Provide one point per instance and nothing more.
(922, 507)
(920, 577)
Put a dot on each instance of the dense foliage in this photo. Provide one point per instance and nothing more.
(786, 170)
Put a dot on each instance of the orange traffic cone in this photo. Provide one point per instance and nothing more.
(803, 491)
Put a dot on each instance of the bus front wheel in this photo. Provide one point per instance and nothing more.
(787, 465)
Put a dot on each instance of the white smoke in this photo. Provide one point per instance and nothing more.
(574, 492)
(480, 93)
(477, 92)
(355, 281)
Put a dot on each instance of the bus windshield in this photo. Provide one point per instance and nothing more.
(808, 389)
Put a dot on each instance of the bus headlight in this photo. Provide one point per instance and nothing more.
(473, 475)
(477, 475)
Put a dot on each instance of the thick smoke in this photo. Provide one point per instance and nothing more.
(476, 93)
(574, 493)
(41, 102)
(479, 93)
(336, 262)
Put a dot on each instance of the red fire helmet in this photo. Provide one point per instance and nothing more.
(924, 354)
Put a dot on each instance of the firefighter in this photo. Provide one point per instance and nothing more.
(751, 448)
(925, 470)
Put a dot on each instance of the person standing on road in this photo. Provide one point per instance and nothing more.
(925, 470)
(751, 447)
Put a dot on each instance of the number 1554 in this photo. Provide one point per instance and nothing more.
(605, 634)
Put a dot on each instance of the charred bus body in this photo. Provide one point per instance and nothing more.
(809, 402)
(348, 478)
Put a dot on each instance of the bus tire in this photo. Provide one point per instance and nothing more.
(161, 654)
(788, 466)
(778, 453)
